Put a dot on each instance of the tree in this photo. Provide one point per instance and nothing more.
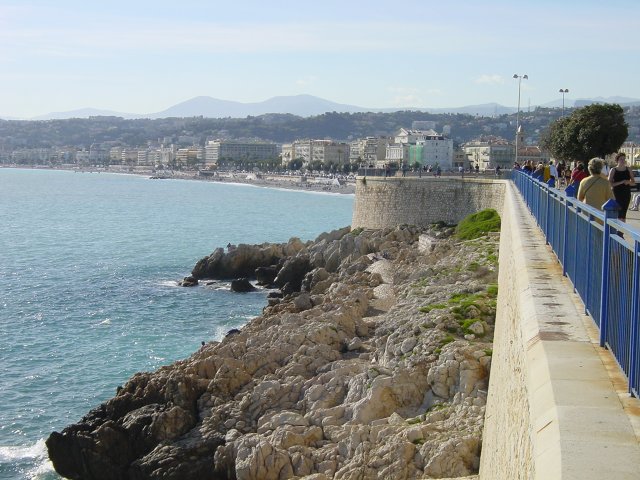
(592, 131)
(295, 164)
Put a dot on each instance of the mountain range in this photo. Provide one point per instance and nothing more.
(303, 106)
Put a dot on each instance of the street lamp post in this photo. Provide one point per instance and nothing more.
(519, 77)
(563, 91)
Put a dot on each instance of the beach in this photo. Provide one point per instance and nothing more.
(306, 183)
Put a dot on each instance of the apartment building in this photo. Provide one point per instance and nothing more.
(323, 151)
(632, 151)
(193, 155)
(215, 150)
(424, 147)
(370, 151)
(490, 152)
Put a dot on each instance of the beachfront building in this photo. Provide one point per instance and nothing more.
(369, 151)
(632, 151)
(190, 156)
(490, 152)
(327, 152)
(421, 147)
(396, 154)
(217, 150)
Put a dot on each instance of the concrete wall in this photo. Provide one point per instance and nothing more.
(556, 407)
(387, 202)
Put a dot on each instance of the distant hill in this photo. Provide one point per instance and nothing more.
(305, 106)
(300, 105)
(85, 113)
(582, 102)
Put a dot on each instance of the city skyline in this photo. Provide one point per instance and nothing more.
(143, 57)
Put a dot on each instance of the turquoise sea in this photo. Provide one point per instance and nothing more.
(88, 295)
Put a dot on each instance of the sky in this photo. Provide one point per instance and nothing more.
(145, 56)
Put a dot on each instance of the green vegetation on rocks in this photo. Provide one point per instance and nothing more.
(478, 224)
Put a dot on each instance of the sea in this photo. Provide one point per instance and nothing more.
(89, 265)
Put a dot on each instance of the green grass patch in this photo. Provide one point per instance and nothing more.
(491, 258)
(488, 352)
(467, 323)
(418, 441)
(446, 340)
(436, 407)
(492, 290)
(434, 306)
(473, 266)
(478, 224)
(357, 231)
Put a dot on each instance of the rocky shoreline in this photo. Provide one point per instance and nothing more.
(373, 364)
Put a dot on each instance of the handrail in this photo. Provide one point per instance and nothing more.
(602, 265)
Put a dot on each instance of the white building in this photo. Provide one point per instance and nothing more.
(370, 151)
(425, 147)
(323, 151)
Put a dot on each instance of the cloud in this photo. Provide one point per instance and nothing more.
(490, 79)
(405, 96)
(306, 81)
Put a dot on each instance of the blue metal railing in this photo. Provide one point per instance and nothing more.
(603, 266)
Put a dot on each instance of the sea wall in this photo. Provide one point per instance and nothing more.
(552, 408)
(386, 202)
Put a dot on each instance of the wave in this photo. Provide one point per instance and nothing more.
(32, 460)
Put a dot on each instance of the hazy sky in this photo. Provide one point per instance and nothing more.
(144, 56)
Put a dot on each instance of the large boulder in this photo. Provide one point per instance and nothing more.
(293, 272)
(243, 260)
(266, 275)
(242, 285)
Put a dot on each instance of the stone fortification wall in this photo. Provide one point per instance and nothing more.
(552, 409)
(387, 202)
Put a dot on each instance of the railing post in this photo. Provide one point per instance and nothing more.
(633, 351)
(610, 209)
(547, 212)
(565, 235)
(587, 295)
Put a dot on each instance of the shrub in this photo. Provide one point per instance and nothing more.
(478, 224)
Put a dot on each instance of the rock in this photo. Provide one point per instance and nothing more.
(477, 328)
(243, 260)
(189, 281)
(354, 344)
(302, 302)
(293, 272)
(242, 285)
(330, 382)
(266, 275)
(408, 344)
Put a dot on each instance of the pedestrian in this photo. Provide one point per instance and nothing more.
(595, 189)
(553, 171)
(622, 180)
(538, 173)
(578, 174)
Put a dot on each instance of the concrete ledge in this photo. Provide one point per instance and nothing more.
(553, 411)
